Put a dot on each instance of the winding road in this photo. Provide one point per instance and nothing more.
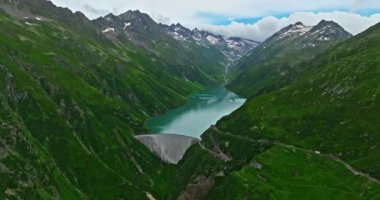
(224, 157)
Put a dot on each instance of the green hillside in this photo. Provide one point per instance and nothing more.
(273, 64)
(317, 138)
(71, 104)
(332, 109)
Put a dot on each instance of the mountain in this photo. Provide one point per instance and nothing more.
(272, 64)
(132, 25)
(233, 48)
(75, 92)
(72, 101)
(136, 28)
(141, 29)
(315, 138)
(76, 21)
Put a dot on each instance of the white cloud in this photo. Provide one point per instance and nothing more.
(89, 9)
(161, 18)
(187, 12)
(363, 4)
(353, 23)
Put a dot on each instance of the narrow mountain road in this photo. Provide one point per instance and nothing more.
(219, 155)
(345, 164)
(354, 171)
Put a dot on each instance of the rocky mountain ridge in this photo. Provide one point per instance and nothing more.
(139, 27)
(233, 48)
(277, 57)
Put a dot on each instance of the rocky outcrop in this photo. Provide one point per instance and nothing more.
(169, 147)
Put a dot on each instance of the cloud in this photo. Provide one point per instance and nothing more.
(161, 18)
(353, 23)
(93, 11)
(185, 11)
(212, 15)
(363, 4)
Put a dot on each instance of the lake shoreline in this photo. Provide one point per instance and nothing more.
(202, 110)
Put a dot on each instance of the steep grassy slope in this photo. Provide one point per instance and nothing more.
(70, 105)
(333, 109)
(316, 138)
(192, 61)
(272, 64)
(291, 173)
(239, 167)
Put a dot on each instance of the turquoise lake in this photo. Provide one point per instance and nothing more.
(202, 110)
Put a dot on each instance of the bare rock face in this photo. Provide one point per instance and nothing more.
(169, 147)
(197, 190)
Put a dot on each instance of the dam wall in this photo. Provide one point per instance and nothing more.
(169, 147)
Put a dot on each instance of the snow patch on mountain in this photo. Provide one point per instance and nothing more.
(232, 48)
(29, 24)
(136, 26)
(109, 29)
(127, 24)
(212, 39)
(295, 30)
(178, 36)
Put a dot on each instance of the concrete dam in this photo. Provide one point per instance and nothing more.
(169, 147)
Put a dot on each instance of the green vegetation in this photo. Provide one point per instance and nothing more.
(330, 112)
(291, 173)
(331, 109)
(71, 104)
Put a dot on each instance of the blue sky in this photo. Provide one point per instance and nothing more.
(220, 19)
(253, 19)
(216, 19)
(368, 12)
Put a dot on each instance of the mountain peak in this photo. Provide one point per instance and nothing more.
(324, 29)
(329, 28)
(109, 16)
(177, 25)
(326, 23)
(298, 25)
(293, 30)
(137, 16)
(131, 12)
(179, 29)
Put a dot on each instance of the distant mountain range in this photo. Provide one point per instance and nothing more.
(139, 28)
(233, 48)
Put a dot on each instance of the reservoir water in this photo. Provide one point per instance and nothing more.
(202, 110)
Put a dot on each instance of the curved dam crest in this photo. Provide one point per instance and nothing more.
(169, 147)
